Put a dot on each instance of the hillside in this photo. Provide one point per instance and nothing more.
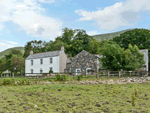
(109, 36)
(5, 52)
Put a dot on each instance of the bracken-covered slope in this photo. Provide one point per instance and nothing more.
(109, 36)
(5, 52)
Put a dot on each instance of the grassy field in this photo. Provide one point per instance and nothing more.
(65, 98)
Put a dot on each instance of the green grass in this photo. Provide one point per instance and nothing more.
(73, 98)
(5, 52)
(109, 36)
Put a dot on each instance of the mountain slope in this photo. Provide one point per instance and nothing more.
(109, 36)
(5, 52)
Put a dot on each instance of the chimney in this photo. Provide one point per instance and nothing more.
(31, 52)
(62, 48)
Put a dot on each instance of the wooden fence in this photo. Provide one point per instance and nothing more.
(104, 73)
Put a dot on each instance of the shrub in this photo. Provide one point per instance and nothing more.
(79, 77)
(59, 77)
(64, 77)
(7, 81)
(50, 71)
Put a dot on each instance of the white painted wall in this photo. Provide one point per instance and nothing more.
(45, 66)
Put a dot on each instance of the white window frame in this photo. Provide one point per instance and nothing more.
(41, 61)
(51, 60)
(77, 70)
(87, 71)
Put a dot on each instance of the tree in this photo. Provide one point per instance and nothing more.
(94, 47)
(112, 56)
(133, 59)
(16, 52)
(3, 65)
(116, 58)
(17, 62)
(36, 46)
(138, 37)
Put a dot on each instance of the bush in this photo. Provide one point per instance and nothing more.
(59, 77)
(79, 77)
(50, 71)
(7, 81)
(64, 77)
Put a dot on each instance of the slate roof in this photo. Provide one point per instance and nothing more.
(44, 55)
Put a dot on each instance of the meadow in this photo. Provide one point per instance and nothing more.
(32, 96)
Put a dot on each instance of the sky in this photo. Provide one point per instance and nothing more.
(25, 20)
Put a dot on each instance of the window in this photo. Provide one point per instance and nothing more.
(41, 61)
(51, 68)
(32, 71)
(51, 60)
(31, 62)
(88, 70)
(41, 70)
(78, 71)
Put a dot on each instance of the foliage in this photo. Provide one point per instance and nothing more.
(64, 77)
(138, 37)
(7, 81)
(79, 77)
(7, 51)
(112, 56)
(58, 77)
(115, 58)
(74, 41)
(133, 59)
(50, 71)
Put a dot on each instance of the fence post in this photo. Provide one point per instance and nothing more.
(1, 76)
(108, 74)
(119, 74)
(13, 75)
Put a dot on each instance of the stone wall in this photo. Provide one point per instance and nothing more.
(83, 60)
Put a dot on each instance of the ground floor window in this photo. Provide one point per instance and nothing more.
(78, 71)
(88, 71)
(32, 71)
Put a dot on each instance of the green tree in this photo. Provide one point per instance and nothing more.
(94, 47)
(3, 65)
(138, 37)
(112, 56)
(116, 58)
(133, 59)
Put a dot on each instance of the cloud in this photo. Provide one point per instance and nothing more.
(4, 46)
(94, 32)
(28, 14)
(120, 14)
(47, 1)
(12, 42)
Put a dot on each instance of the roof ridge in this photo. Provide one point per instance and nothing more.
(45, 52)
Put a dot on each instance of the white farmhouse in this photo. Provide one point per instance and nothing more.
(43, 62)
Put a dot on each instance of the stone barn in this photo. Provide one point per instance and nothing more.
(83, 63)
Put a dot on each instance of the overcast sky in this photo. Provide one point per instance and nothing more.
(26, 20)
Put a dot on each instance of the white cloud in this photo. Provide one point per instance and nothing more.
(120, 14)
(94, 32)
(28, 14)
(12, 42)
(47, 1)
(4, 46)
